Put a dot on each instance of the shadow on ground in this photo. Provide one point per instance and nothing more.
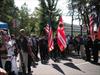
(55, 66)
(71, 65)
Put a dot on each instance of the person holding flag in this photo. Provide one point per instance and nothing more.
(96, 46)
(61, 37)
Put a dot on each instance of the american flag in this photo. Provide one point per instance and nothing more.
(48, 30)
(92, 22)
(98, 33)
(61, 37)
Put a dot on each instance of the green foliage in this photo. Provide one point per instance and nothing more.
(26, 20)
(83, 8)
(46, 11)
(7, 11)
(35, 22)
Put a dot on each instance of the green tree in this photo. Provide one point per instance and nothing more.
(83, 8)
(26, 20)
(7, 11)
(47, 11)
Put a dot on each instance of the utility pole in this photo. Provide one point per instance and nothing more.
(80, 24)
(72, 18)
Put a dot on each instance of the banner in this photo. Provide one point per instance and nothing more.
(61, 37)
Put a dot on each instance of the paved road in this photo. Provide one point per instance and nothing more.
(71, 66)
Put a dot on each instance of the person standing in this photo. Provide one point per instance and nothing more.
(55, 52)
(82, 48)
(23, 47)
(96, 48)
(43, 45)
(1, 43)
(89, 46)
(11, 47)
(31, 55)
(4, 38)
(35, 46)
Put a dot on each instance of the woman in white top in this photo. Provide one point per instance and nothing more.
(10, 45)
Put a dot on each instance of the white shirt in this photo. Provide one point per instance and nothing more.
(10, 47)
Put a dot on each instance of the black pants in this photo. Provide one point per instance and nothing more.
(88, 54)
(0, 63)
(29, 63)
(95, 55)
(8, 67)
(78, 50)
(35, 51)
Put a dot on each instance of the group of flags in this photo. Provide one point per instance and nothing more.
(61, 37)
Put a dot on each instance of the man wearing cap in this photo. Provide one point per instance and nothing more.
(24, 48)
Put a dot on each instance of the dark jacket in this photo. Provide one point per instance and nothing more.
(23, 43)
(96, 44)
(89, 43)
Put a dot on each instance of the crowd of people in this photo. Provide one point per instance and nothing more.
(26, 48)
(85, 47)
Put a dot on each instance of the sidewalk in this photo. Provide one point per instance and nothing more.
(71, 66)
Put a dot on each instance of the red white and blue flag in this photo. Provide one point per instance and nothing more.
(61, 37)
(93, 22)
(98, 33)
(91, 26)
(48, 29)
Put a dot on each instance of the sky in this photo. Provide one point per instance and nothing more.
(30, 3)
(62, 4)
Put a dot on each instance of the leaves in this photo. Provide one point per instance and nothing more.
(46, 11)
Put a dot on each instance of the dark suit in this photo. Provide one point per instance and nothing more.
(96, 48)
(43, 45)
(22, 44)
(89, 46)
